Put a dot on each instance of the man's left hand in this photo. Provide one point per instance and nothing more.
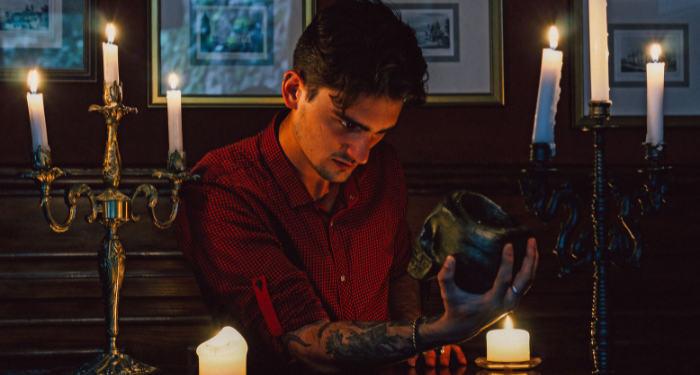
(431, 358)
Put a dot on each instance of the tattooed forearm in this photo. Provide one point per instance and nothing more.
(372, 346)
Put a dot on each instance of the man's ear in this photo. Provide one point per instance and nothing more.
(293, 88)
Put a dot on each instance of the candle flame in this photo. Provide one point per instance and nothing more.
(174, 80)
(655, 52)
(553, 37)
(110, 33)
(33, 81)
(509, 324)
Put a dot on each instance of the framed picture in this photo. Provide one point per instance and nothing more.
(227, 53)
(629, 53)
(463, 45)
(54, 36)
(633, 26)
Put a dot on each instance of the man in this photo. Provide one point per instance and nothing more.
(300, 231)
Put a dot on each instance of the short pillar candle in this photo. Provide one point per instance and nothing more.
(224, 354)
(508, 345)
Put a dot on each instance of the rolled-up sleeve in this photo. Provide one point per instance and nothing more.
(232, 248)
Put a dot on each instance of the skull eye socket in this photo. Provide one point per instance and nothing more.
(429, 241)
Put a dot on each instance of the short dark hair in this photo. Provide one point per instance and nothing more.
(361, 48)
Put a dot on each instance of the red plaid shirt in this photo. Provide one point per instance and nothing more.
(259, 247)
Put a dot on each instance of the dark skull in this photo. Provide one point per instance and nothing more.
(474, 231)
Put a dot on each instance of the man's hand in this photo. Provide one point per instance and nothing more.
(467, 314)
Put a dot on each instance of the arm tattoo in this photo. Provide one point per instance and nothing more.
(289, 337)
(371, 347)
(323, 328)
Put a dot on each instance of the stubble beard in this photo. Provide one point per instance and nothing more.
(325, 173)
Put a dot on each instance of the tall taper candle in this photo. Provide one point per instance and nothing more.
(110, 57)
(174, 98)
(36, 114)
(598, 41)
(548, 95)
(655, 98)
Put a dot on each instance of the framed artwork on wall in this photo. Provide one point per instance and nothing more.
(633, 26)
(227, 53)
(54, 36)
(462, 42)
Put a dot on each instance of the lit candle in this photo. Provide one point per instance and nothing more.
(655, 98)
(36, 114)
(110, 57)
(508, 345)
(174, 98)
(548, 95)
(598, 40)
(224, 354)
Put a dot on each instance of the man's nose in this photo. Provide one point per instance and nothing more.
(359, 149)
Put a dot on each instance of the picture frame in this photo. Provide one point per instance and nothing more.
(57, 37)
(227, 53)
(629, 53)
(462, 42)
(632, 25)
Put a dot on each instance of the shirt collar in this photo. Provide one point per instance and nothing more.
(284, 171)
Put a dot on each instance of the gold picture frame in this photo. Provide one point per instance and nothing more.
(476, 79)
(185, 46)
(487, 68)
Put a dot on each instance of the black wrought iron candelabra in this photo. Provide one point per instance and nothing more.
(603, 246)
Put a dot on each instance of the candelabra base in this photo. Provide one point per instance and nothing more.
(111, 363)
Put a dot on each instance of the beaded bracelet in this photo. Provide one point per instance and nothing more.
(419, 320)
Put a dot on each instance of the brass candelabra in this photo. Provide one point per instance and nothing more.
(112, 209)
(602, 246)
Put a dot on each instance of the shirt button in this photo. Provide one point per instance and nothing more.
(352, 197)
(342, 277)
(331, 223)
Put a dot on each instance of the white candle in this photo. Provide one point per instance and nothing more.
(598, 40)
(110, 57)
(508, 345)
(548, 95)
(36, 114)
(655, 98)
(174, 98)
(224, 354)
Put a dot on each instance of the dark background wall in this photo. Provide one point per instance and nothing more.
(443, 148)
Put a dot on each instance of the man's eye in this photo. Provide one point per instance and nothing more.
(347, 125)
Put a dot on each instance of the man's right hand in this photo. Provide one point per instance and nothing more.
(467, 314)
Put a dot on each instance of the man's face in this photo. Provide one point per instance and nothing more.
(335, 142)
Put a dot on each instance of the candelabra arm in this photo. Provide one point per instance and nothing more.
(44, 176)
(545, 201)
(177, 175)
(151, 195)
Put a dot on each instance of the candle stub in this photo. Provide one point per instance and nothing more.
(508, 345)
(224, 354)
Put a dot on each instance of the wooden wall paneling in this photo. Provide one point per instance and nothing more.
(49, 285)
